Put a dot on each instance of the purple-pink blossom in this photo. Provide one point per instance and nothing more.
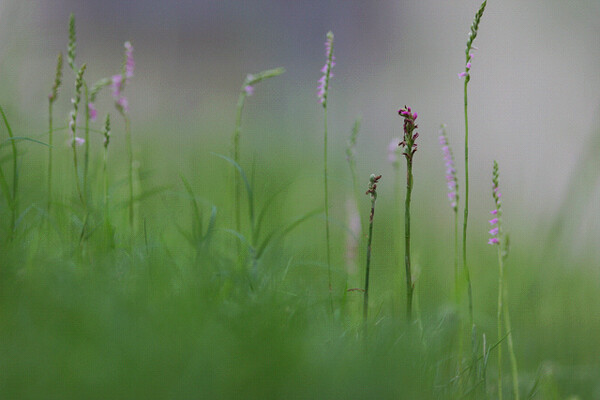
(93, 113)
(493, 221)
(493, 231)
(393, 150)
(129, 62)
(493, 240)
(249, 90)
(451, 179)
(323, 83)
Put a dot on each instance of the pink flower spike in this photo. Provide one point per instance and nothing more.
(93, 113)
(493, 231)
(462, 74)
(494, 212)
(249, 90)
(493, 221)
(493, 241)
(123, 103)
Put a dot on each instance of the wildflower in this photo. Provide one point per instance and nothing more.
(249, 90)
(497, 212)
(92, 111)
(129, 62)
(451, 179)
(408, 143)
(393, 151)
(323, 85)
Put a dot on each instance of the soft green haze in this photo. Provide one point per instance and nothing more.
(177, 304)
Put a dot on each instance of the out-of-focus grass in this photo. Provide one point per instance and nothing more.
(162, 320)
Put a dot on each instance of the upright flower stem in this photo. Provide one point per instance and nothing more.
(236, 158)
(130, 175)
(15, 191)
(511, 351)
(466, 74)
(500, 241)
(86, 157)
(51, 99)
(50, 143)
(466, 210)
(410, 148)
(325, 185)
(322, 94)
(247, 89)
(409, 283)
(373, 180)
(107, 227)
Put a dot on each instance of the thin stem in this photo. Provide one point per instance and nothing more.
(456, 256)
(50, 140)
(368, 268)
(105, 195)
(511, 351)
(75, 164)
(499, 317)
(466, 214)
(327, 209)
(86, 159)
(236, 158)
(13, 144)
(409, 282)
(130, 159)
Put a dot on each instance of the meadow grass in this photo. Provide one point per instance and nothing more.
(100, 302)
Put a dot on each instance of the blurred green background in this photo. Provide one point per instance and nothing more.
(152, 323)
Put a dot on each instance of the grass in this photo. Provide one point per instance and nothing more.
(91, 308)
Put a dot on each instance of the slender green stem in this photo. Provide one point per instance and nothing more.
(236, 158)
(325, 184)
(368, 268)
(466, 214)
(86, 157)
(511, 351)
(15, 191)
(409, 281)
(105, 195)
(50, 142)
(130, 177)
(456, 257)
(499, 317)
(76, 166)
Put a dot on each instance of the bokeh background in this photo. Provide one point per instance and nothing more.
(534, 100)
(534, 88)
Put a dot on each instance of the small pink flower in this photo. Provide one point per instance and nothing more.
(393, 150)
(494, 231)
(123, 103)
(493, 241)
(249, 90)
(79, 141)
(494, 212)
(93, 113)
(129, 62)
(462, 75)
(469, 65)
(493, 221)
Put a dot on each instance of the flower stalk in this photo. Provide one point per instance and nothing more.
(51, 99)
(322, 94)
(498, 239)
(467, 75)
(372, 192)
(410, 148)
